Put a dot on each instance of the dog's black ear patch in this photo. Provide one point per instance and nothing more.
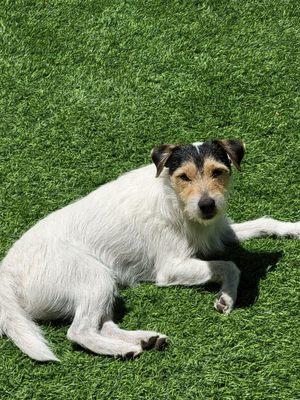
(235, 150)
(160, 155)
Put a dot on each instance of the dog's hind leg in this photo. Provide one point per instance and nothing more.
(147, 339)
(88, 336)
(94, 300)
(262, 227)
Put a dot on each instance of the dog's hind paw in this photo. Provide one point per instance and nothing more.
(224, 304)
(150, 343)
(157, 342)
(130, 354)
(161, 342)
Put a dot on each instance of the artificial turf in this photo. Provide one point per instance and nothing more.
(86, 89)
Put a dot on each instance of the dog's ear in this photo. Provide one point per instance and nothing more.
(235, 150)
(160, 155)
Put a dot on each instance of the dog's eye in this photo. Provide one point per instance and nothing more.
(217, 172)
(184, 177)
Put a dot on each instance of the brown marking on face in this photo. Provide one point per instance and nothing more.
(189, 181)
(216, 176)
(186, 188)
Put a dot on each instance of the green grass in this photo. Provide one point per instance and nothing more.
(87, 88)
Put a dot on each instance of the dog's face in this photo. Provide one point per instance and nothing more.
(200, 174)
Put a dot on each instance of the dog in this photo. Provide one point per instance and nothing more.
(157, 223)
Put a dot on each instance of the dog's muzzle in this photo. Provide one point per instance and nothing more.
(208, 208)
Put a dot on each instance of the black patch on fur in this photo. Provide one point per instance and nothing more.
(197, 155)
(235, 150)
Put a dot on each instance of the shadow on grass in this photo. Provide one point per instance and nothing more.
(120, 309)
(254, 266)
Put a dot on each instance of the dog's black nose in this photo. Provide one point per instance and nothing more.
(207, 206)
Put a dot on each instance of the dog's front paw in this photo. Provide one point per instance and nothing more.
(224, 304)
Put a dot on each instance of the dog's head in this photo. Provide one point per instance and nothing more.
(200, 174)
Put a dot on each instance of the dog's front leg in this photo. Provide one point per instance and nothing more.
(192, 271)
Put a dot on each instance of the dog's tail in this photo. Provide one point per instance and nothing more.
(18, 326)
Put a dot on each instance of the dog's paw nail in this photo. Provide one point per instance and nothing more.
(136, 354)
(220, 307)
(223, 305)
(161, 343)
(131, 355)
(149, 344)
(222, 301)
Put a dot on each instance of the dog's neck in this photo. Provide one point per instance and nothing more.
(206, 239)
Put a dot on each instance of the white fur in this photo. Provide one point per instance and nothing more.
(132, 229)
(197, 144)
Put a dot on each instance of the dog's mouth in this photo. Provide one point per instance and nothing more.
(208, 216)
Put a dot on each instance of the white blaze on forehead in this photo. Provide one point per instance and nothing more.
(197, 144)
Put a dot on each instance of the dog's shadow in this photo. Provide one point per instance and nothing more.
(254, 266)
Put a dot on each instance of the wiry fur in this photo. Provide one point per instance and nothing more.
(132, 229)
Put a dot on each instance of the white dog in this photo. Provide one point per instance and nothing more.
(136, 228)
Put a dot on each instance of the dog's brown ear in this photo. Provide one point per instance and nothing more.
(160, 155)
(235, 150)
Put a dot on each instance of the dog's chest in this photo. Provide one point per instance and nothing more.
(205, 240)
